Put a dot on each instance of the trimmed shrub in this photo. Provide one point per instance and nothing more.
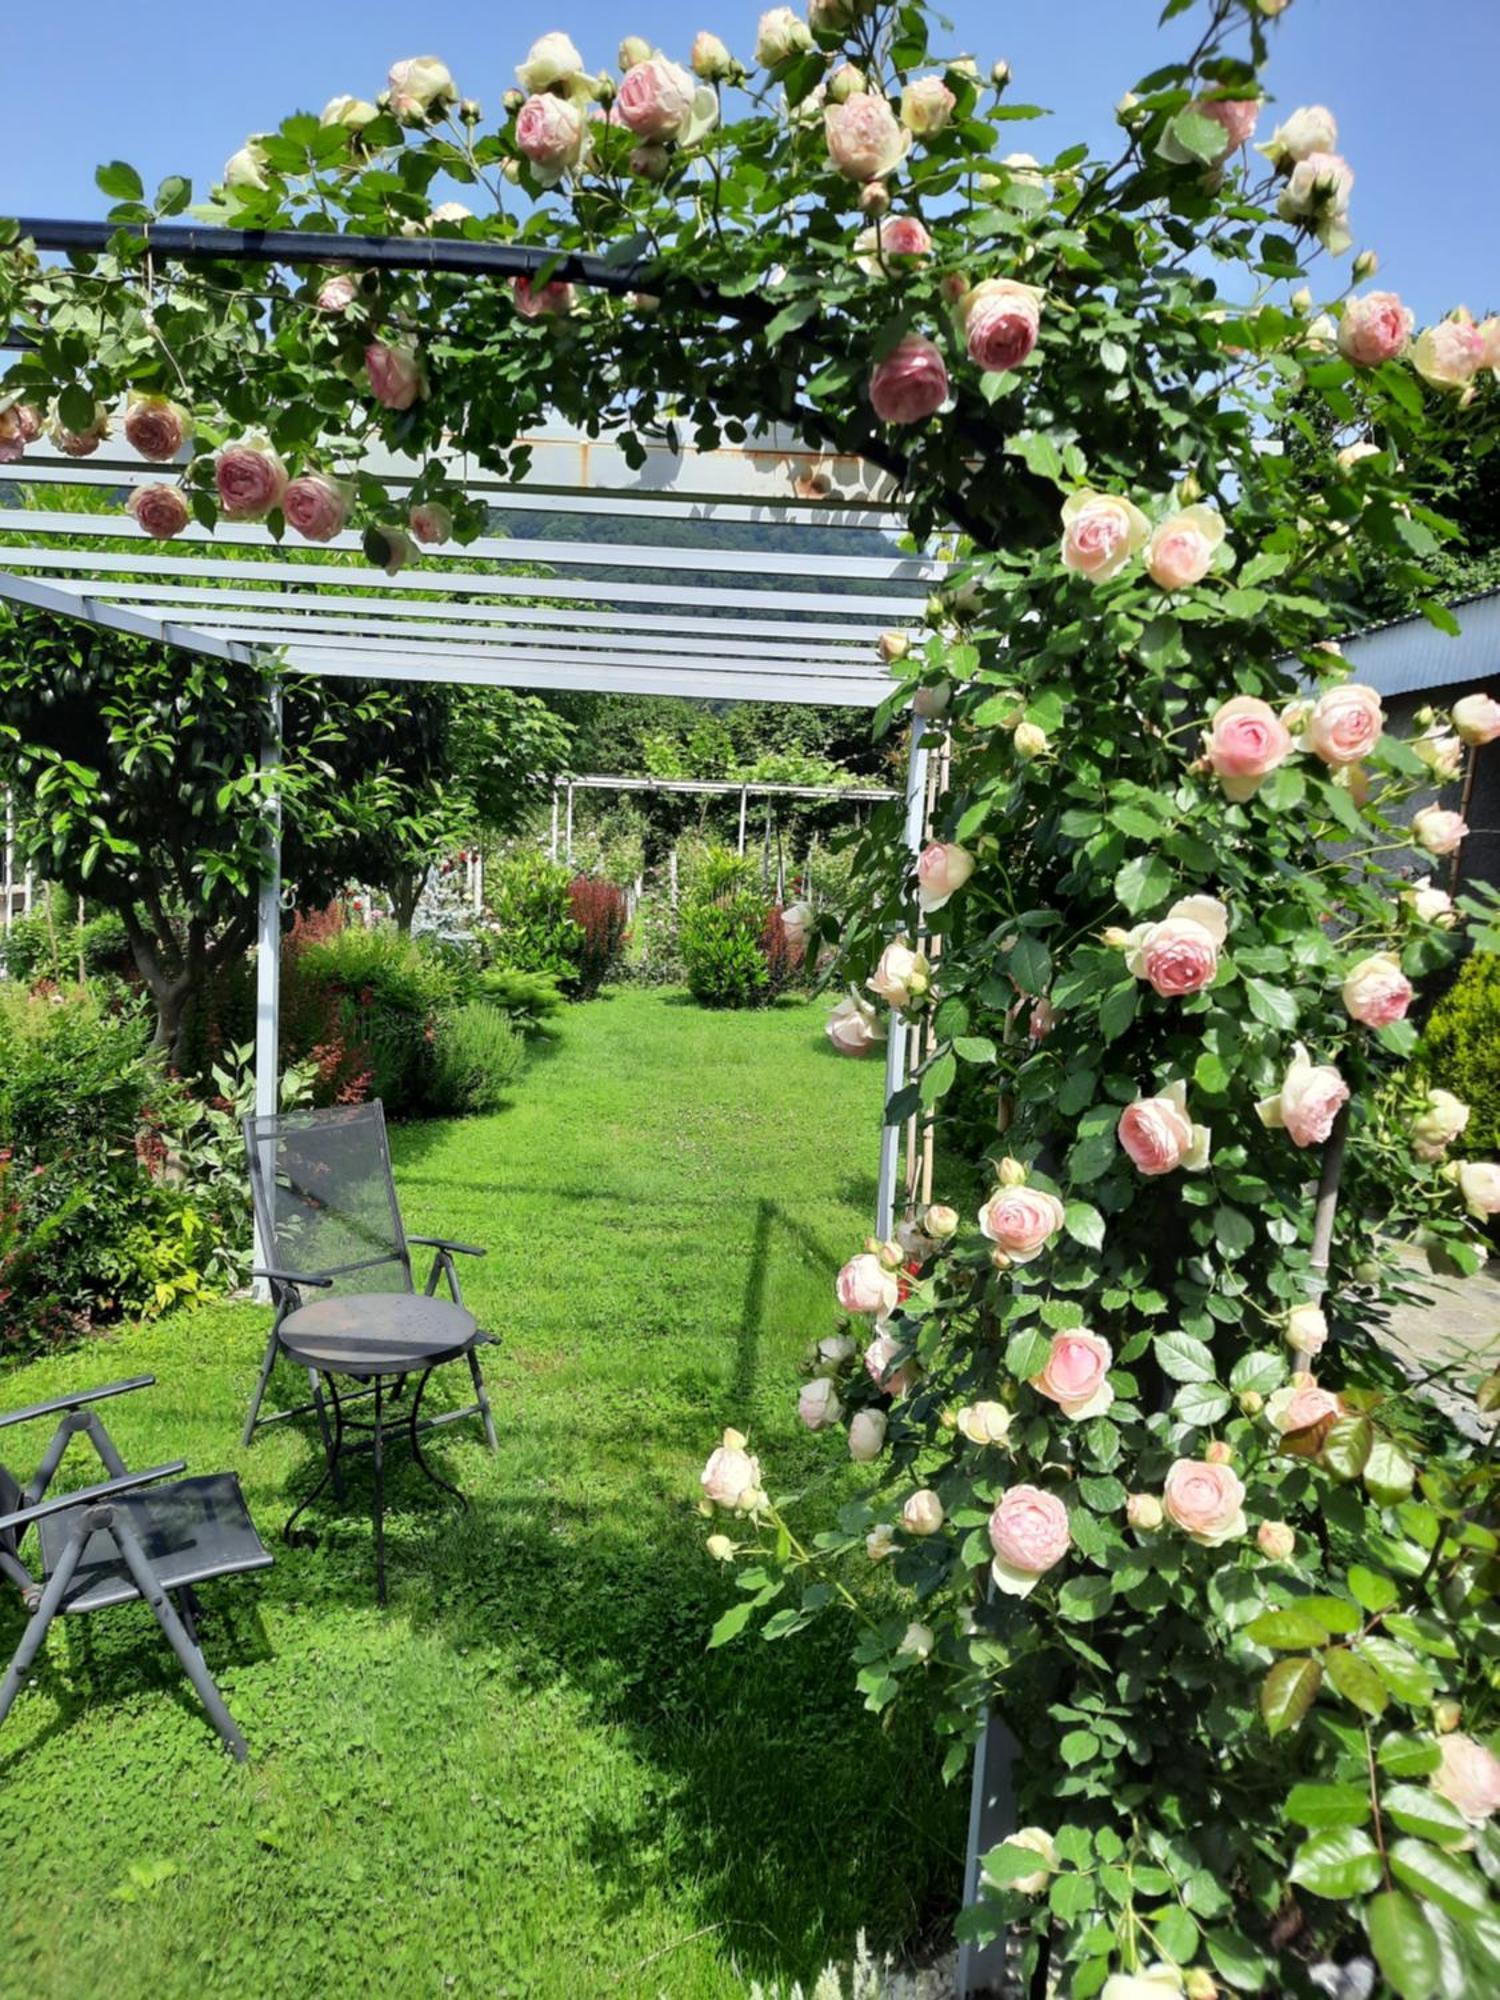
(363, 1005)
(600, 912)
(48, 945)
(97, 1218)
(655, 953)
(477, 1056)
(722, 951)
(1461, 1051)
(529, 998)
(531, 914)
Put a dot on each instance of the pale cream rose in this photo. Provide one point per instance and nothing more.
(1101, 532)
(984, 1423)
(1036, 1840)
(1441, 1120)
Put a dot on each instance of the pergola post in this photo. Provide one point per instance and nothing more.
(268, 943)
(568, 849)
(895, 1045)
(552, 851)
(744, 808)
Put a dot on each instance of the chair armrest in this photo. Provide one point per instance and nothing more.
(82, 1496)
(444, 1243)
(62, 1403)
(293, 1278)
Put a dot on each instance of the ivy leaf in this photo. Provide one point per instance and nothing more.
(1337, 1863)
(1404, 1946)
(1288, 1692)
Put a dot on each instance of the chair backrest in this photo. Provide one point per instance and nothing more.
(325, 1198)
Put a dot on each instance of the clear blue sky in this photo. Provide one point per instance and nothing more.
(176, 87)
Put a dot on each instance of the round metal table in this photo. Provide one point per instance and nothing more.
(377, 1338)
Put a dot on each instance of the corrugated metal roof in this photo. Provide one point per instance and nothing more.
(1412, 655)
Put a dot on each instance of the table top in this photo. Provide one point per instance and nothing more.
(377, 1333)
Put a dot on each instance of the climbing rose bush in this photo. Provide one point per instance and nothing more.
(1166, 937)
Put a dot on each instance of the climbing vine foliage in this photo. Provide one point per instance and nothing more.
(1142, 1481)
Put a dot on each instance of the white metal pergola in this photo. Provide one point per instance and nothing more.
(692, 618)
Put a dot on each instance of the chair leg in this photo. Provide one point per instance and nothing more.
(248, 1434)
(483, 1400)
(40, 1619)
(165, 1613)
(379, 1497)
(320, 1409)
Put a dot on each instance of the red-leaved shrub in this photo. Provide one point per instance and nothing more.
(599, 910)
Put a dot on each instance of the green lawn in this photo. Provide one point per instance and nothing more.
(525, 1777)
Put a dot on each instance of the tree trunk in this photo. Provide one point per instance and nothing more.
(406, 893)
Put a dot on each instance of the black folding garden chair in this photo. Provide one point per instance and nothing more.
(126, 1537)
(326, 1208)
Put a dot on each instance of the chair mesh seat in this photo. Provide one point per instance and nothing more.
(191, 1530)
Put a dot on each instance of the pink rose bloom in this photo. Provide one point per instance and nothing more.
(1468, 1776)
(864, 140)
(818, 1404)
(1304, 1407)
(656, 98)
(731, 1477)
(1479, 1184)
(431, 522)
(1075, 1375)
(393, 548)
(1101, 533)
(1310, 1098)
(1237, 115)
(893, 236)
(942, 869)
(20, 425)
(1021, 1221)
(1206, 1501)
(1180, 953)
(1345, 723)
(1439, 831)
(864, 1285)
(537, 302)
(81, 444)
(878, 1357)
(1477, 719)
(1275, 1540)
(316, 506)
(338, 293)
(1181, 548)
(854, 1027)
(1245, 741)
(1001, 321)
(923, 1513)
(156, 427)
(1158, 1135)
(1450, 354)
(902, 975)
(1377, 992)
(926, 105)
(867, 1435)
(395, 375)
(1041, 1020)
(550, 131)
(159, 511)
(910, 384)
(1029, 1533)
(250, 479)
(1374, 328)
